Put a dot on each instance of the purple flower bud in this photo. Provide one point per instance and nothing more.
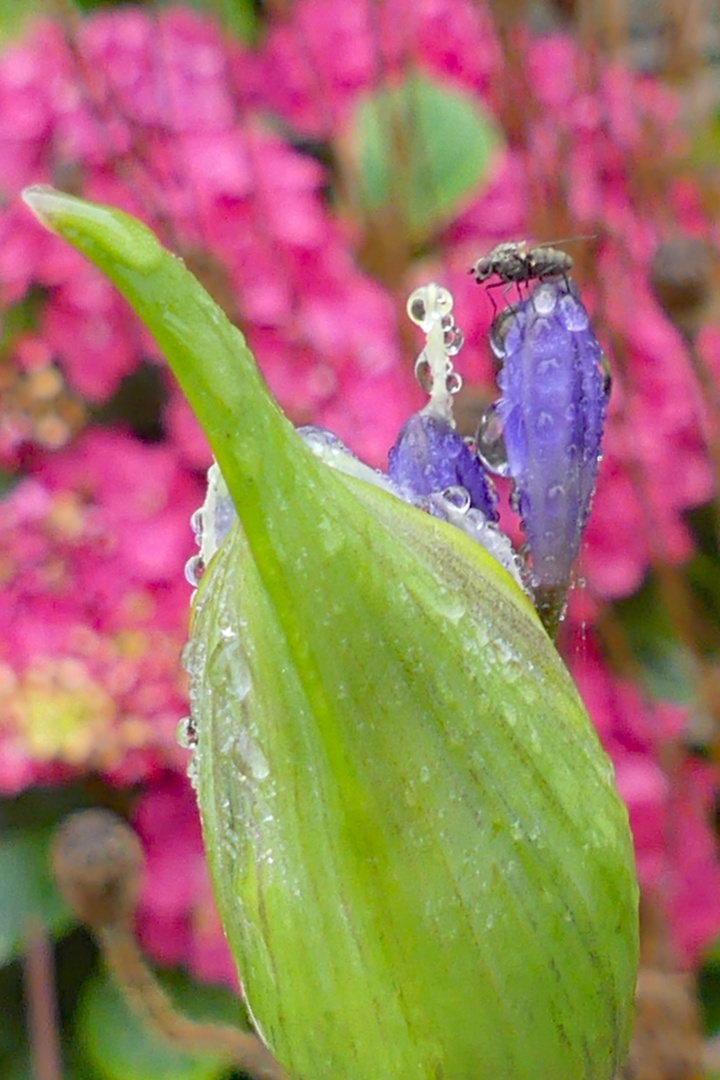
(429, 457)
(552, 409)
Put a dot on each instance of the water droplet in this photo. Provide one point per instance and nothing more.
(453, 383)
(544, 423)
(196, 524)
(515, 500)
(606, 375)
(458, 497)
(427, 304)
(545, 298)
(453, 340)
(424, 774)
(416, 309)
(186, 733)
(499, 330)
(250, 760)
(443, 300)
(573, 314)
(555, 491)
(546, 365)
(194, 570)
(490, 443)
(423, 373)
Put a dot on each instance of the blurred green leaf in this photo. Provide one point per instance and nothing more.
(709, 991)
(703, 574)
(14, 14)
(27, 889)
(422, 147)
(238, 17)
(119, 1047)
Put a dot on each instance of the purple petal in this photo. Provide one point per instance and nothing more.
(429, 457)
(552, 409)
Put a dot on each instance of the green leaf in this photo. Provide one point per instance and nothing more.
(423, 148)
(119, 1047)
(418, 852)
(28, 892)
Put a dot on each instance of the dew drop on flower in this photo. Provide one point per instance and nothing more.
(572, 313)
(453, 340)
(416, 308)
(544, 299)
(423, 373)
(427, 303)
(606, 375)
(500, 328)
(453, 383)
(490, 442)
(458, 497)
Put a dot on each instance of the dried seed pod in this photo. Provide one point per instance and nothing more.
(97, 862)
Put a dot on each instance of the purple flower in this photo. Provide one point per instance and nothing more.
(429, 457)
(554, 394)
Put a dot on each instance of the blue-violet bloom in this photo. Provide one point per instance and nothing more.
(554, 396)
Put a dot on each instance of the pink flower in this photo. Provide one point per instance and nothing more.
(155, 114)
(177, 920)
(670, 806)
(94, 611)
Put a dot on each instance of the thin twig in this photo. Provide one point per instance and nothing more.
(42, 1018)
(97, 861)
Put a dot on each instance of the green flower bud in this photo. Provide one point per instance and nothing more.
(418, 852)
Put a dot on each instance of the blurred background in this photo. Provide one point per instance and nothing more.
(313, 161)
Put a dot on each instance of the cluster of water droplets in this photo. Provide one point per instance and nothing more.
(454, 506)
(333, 452)
(210, 525)
(430, 308)
(545, 430)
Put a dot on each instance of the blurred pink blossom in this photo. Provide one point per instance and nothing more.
(94, 612)
(177, 920)
(670, 799)
(160, 114)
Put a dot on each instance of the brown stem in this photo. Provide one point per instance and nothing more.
(97, 861)
(150, 1002)
(42, 1020)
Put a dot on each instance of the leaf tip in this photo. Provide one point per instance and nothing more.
(42, 200)
(99, 232)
